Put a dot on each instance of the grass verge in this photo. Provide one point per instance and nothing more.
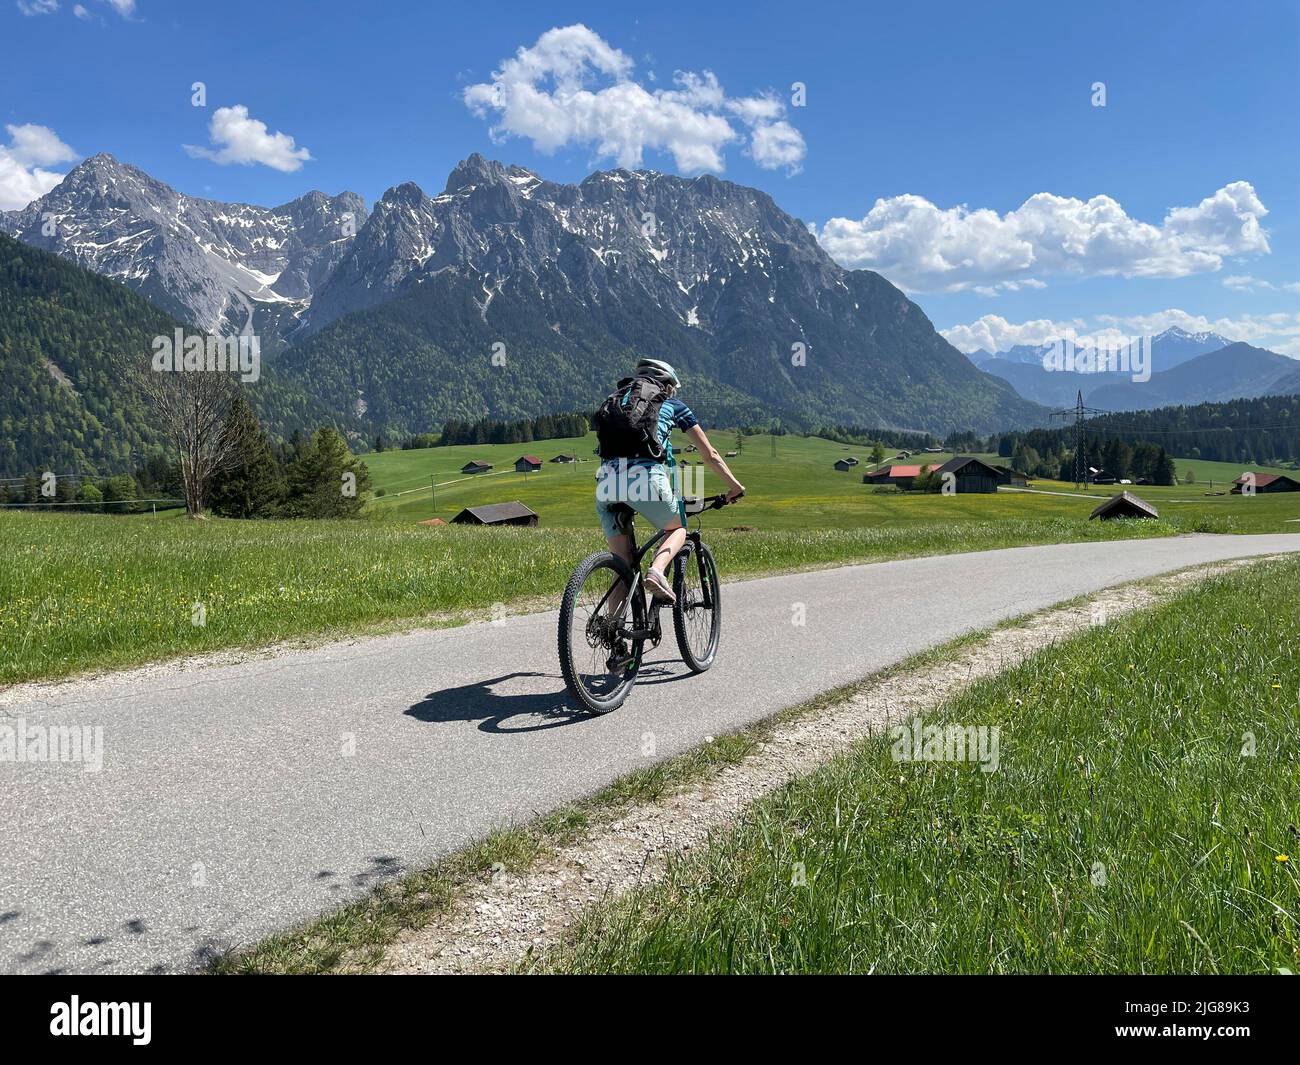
(1143, 818)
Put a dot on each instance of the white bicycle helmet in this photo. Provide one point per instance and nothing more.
(659, 371)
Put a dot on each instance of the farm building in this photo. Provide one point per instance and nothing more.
(565, 458)
(1124, 505)
(514, 513)
(902, 476)
(970, 474)
(1006, 475)
(527, 464)
(476, 467)
(843, 464)
(1266, 482)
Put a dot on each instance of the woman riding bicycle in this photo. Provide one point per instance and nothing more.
(638, 471)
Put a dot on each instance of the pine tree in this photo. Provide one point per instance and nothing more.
(327, 481)
(255, 486)
(1165, 471)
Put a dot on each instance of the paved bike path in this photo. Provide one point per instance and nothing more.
(236, 800)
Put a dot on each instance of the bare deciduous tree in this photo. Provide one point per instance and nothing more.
(193, 408)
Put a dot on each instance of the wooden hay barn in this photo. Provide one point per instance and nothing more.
(1266, 482)
(1006, 475)
(970, 475)
(514, 513)
(1124, 505)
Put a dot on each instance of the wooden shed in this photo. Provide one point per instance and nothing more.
(514, 513)
(1124, 505)
(1006, 475)
(969, 475)
(476, 467)
(527, 464)
(1266, 482)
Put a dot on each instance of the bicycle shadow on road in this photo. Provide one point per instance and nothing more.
(479, 702)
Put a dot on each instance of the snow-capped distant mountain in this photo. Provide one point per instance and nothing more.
(1171, 348)
(1176, 346)
(215, 265)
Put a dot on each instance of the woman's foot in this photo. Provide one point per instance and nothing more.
(658, 584)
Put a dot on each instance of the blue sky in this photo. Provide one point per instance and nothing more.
(955, 147)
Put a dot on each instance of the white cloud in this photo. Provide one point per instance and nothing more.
(777, 144)
(1278, 331)
(81, 12)
(1244, 282)
(23, 178)
(925, 248)
(994, 333)
(125, 8)
(552, 94)
(38, 7)
(241, 139)
(1250, 283)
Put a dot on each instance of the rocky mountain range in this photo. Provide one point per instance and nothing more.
(393, 327)
(219, 266)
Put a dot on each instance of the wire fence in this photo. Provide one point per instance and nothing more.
(110, 506)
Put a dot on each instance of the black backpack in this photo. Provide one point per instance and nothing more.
(627, 423)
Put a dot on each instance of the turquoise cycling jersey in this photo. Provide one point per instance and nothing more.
(674, 414)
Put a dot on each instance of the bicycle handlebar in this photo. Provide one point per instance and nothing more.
(698, 506)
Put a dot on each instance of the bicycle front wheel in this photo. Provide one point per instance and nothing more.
(697, 614)
(598, 664)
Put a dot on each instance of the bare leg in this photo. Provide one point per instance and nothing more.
(667, 551)
(620, 545)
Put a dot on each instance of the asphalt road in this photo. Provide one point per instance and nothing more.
(236, 800)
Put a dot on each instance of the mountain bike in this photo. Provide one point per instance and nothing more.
(607, 617)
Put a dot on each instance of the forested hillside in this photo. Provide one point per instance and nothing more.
(67, 333)
(1264, 430)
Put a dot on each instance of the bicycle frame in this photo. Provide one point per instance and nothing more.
(654, 631)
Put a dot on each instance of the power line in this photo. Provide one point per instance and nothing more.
(1080, 413)
(1215, 429)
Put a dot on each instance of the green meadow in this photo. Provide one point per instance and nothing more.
(86, 591)
(796, 487)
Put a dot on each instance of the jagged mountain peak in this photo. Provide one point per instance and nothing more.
(209, 263)
(407, 193)
(681, 238)
(472, 171)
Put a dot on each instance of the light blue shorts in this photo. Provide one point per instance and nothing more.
(647, 489)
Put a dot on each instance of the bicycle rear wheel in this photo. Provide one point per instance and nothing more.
(600, 667)
(697, 614)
